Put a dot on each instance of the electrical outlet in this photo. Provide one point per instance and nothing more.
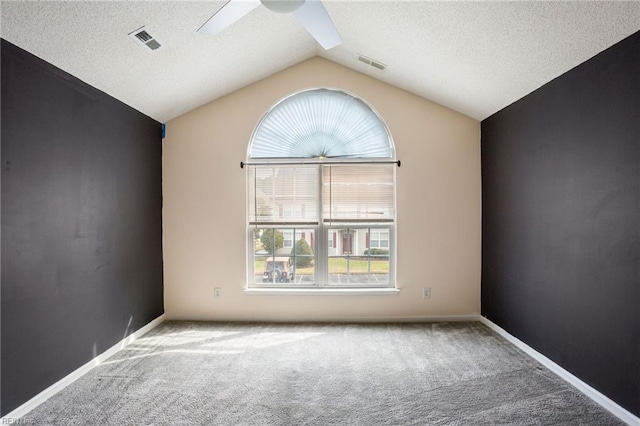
(216, 292)
(426, 293)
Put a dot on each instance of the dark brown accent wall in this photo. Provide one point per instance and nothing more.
(81, 224)
(561, 221)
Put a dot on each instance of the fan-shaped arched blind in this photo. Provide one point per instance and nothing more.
(321, 123)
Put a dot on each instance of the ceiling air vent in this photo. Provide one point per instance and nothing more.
(372, 62)
(143, 37)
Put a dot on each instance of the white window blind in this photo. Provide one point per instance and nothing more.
(321, 123)
(358, 193)
(283, 195)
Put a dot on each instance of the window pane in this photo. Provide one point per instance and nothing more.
(277, 263)
(363, 193)
(352, 263)
(303, 256)
(283, 194)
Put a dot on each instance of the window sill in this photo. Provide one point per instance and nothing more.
(322, 291)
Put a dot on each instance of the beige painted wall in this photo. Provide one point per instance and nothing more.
(438, 204)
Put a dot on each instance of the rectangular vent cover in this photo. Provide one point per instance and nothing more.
(143, 37)
(372, 62)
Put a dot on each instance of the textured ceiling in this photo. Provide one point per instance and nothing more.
(473, 57)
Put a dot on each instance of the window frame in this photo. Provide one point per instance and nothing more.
(321, 244)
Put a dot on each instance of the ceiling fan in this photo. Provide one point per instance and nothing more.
(311, 13)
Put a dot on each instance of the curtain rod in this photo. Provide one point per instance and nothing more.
(303, 163)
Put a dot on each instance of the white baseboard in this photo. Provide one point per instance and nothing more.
(383, 319)
(331, 319)
(592, 393)
(76, 374)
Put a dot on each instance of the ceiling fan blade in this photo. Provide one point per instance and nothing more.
(227, 15)
(317, 21)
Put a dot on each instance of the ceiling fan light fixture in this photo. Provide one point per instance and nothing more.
(282, 6)
(311, 14)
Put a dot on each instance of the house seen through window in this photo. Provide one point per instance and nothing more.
(321, 194)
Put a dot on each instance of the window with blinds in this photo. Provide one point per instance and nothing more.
(321, 191)
(283, 195)
(358, 193)
(350, 194)
(352, 204)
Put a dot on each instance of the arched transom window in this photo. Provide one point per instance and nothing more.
(321, 194)
(321, 123)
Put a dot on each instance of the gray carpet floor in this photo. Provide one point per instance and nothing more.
(202, 373)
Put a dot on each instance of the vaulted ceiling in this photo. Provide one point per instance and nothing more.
(473, 57)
